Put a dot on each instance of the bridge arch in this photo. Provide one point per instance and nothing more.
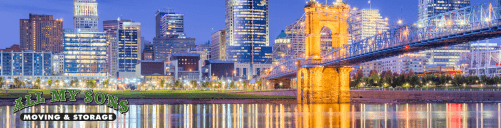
(332, 17)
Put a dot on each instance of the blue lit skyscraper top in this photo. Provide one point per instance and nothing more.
(247, 31)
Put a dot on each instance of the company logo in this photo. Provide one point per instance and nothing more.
(61, 96)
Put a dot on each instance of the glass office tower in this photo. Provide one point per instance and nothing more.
(85, 53)
(247, 31)
(129, 52)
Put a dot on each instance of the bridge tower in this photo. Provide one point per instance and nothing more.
(316, 83)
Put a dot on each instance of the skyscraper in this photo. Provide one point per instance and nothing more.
(41, 33)
(170, 36)
(367, 23)
(129, 52)
(84, 54)
(169, 23)
(442, 56)
(429, 8)
(85, 15)
(218, 47)
(247, 31)
(172, 25)
(111, 27)
(85, 48)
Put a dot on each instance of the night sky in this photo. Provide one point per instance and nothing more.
(202, 17)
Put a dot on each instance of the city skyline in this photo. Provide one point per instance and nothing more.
(214, 17)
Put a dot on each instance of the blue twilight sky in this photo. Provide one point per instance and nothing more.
(202, 17)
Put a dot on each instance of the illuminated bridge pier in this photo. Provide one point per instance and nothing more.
(317, 83)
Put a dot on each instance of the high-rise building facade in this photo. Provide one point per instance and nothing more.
(158, 20)
(111, 27)
(41, 33)
(218, 47)
(84, 53)
(129, 50)
(247, 31)
(429, 8)
(58, 64)
(22, 64)
(367, 23)
(443, 55)
(85, 15)
(164, 47)
(282, 47)
(172, 25)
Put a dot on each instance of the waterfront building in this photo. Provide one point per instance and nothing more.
(111, 27)
(448, 55)
(85, 54)
(401, 63)
(85, 16)
(25, 65)
(247, 31)
(129, 53)
(41, 33)
(282, 47)
(186, 66)
(218, 70)
(151, 73)
(218, 45)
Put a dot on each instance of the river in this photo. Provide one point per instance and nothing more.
(454, 115)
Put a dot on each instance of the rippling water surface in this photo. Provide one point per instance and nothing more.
(453, 115)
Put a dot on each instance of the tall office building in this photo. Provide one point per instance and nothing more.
(172, 25)
(282, 47)
(85, 54)
(429, 8)
(41, 33)
(442, 56)
(170, 36)
(129, 51)
(111, 27)
(367, 23)
(169, 23)
(247, 31)
(164, 47)
(85, 15)
(218, 47)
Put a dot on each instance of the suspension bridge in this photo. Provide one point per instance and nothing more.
(324, 78)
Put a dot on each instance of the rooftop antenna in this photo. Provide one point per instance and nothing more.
(370, 5)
